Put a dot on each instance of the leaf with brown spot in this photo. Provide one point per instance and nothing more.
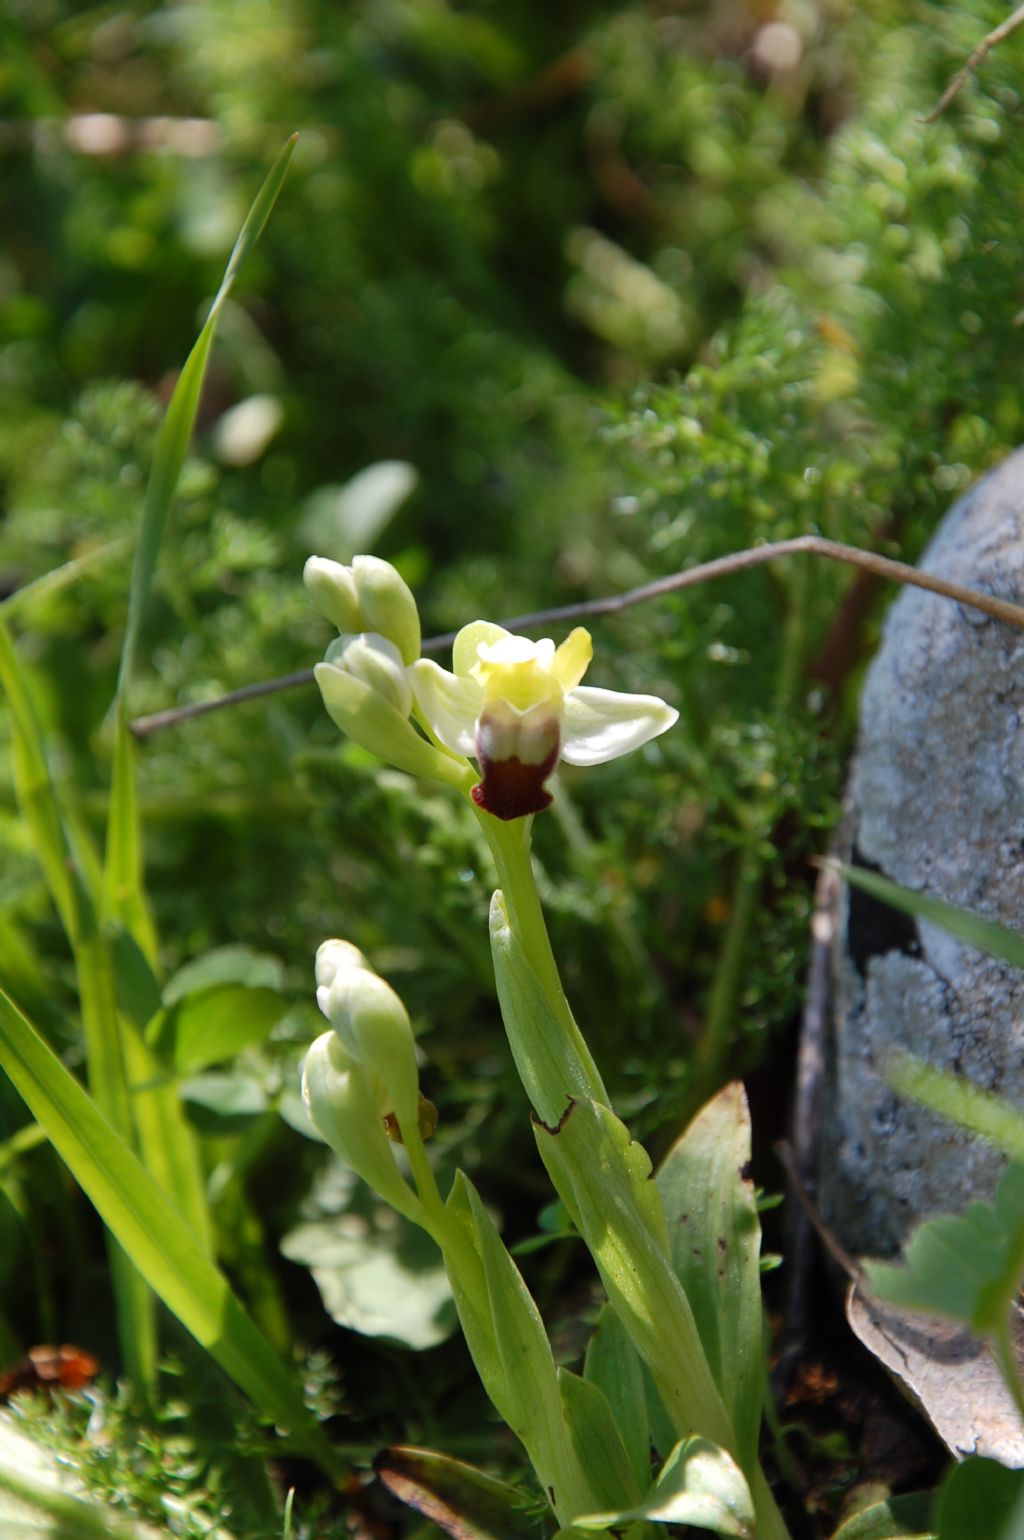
(461, 1500)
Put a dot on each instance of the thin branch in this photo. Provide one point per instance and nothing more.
(613, 604)
(982, 51)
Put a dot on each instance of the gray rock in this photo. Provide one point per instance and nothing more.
(936, 803)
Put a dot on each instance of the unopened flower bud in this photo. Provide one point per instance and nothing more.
(332, 589)
(387, 603)
(369, 718)
(378, 663)
(348, 1105)
(332, 956)
(373, 1026)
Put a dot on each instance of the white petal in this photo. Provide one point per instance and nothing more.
(450, 706)
(603, 724)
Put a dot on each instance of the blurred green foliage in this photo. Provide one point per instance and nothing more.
(629, 286)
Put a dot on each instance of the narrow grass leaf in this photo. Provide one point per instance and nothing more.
(34, 789)
(995, 940)
(176, 428)
(152, 1232)
(167, 1142)
(64, 576)
(953, 1097)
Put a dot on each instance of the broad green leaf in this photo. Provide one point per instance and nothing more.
(41, 1500)
(461, 1500)
(898, 1518)
(981, 1497)
(516, 1354)
(699, 1484)
(613, 1363)
(225, 965)
(603, 1179)
(152, 1232)
(225, 1095)
(509, 1346)
(965, 1266)
(598, 1443)
(215, 1024)
(711, 1210)
(995, 940)
(383, 1280)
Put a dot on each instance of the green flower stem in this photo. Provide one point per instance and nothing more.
(602, 1179)
(510, 847)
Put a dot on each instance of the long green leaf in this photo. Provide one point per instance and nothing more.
(613, 1363)
(960, 1100)
(167, 1141)
(34, 790)
(994, 940)
(152, 1232)
(176, 428)
(45, 818)
(716, 1242)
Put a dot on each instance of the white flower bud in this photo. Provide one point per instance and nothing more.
(332, 589)
(378, 663)
(369, 718)
(348, 1105)
(332, 956)
(386, 601)
(373, 1026)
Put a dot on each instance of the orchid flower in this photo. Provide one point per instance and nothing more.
(517, 707)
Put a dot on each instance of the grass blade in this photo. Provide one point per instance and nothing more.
(152, 1232)
(176, 428)
(167, 1141)
(42, 811)
(995, 940)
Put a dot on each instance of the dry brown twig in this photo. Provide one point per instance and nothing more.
(613, 604)
(976, 57)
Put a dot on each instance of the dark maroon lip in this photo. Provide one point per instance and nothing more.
(510, 789)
